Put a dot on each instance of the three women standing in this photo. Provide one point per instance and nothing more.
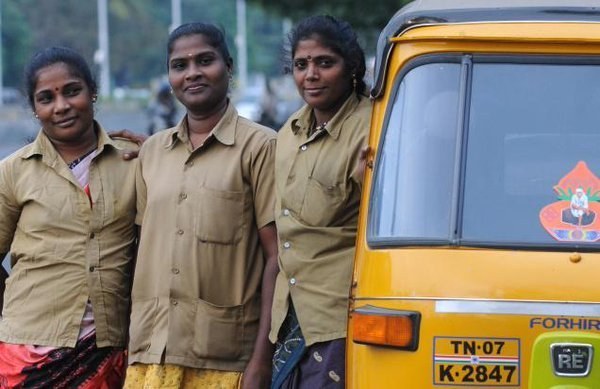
(67, 206)
(201, 300)
(207, 259)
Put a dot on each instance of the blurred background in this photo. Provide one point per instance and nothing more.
(125, 42)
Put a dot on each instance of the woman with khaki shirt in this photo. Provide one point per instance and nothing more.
(318, 185)
(67, 209)
(207, 259)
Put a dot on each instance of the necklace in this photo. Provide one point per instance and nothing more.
(316, 128)
(321, 126)
(76, 162)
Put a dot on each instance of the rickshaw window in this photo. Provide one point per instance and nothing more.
(529, 121)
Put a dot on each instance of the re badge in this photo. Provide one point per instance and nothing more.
(571, 359)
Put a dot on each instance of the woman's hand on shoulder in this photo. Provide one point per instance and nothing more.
(131, 136)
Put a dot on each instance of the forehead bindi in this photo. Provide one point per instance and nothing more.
(311, 48)
(55, 77)
(190, 46)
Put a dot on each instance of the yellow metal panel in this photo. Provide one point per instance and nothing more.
(478, 273)
(509, 32)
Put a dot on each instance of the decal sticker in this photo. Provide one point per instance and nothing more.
(575, 217)
(476, 361)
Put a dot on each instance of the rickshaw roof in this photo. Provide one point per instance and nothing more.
(432, 12)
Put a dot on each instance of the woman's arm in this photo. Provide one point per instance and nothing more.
(258, 372)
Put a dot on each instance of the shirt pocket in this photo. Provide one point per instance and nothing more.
(143, 314)
(47, 206)
(322, 202)
(220, 216)
(218, 331)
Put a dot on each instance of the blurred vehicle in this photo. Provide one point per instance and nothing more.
(268, 100)
(162, 110)
(285, 109)
(126, 93)
(477, 255)
(12, 96)
(249, 107)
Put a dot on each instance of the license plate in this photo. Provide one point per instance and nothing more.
(476, 361)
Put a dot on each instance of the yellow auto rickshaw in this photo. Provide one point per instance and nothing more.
(477, 261)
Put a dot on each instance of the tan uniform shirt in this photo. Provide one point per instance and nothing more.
(196, 291)
(63, 251)
(318, 197)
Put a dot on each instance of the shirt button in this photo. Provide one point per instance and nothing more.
(183, 196)
(292, 281)
(175, 271)
(92, 268)
(287, 245)
(303, 147)
(179, 232)
(189, 164)
(174, 302)
(286, 212)
(92, 235)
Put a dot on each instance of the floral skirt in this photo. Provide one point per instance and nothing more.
(297, 366)
(85, 366)
(142, 376)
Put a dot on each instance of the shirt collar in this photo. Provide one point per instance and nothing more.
(43, 146)
(305, 118)
(224, 130)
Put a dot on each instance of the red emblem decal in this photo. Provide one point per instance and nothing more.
(574, 218)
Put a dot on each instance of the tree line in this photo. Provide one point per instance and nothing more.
(139, 30)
